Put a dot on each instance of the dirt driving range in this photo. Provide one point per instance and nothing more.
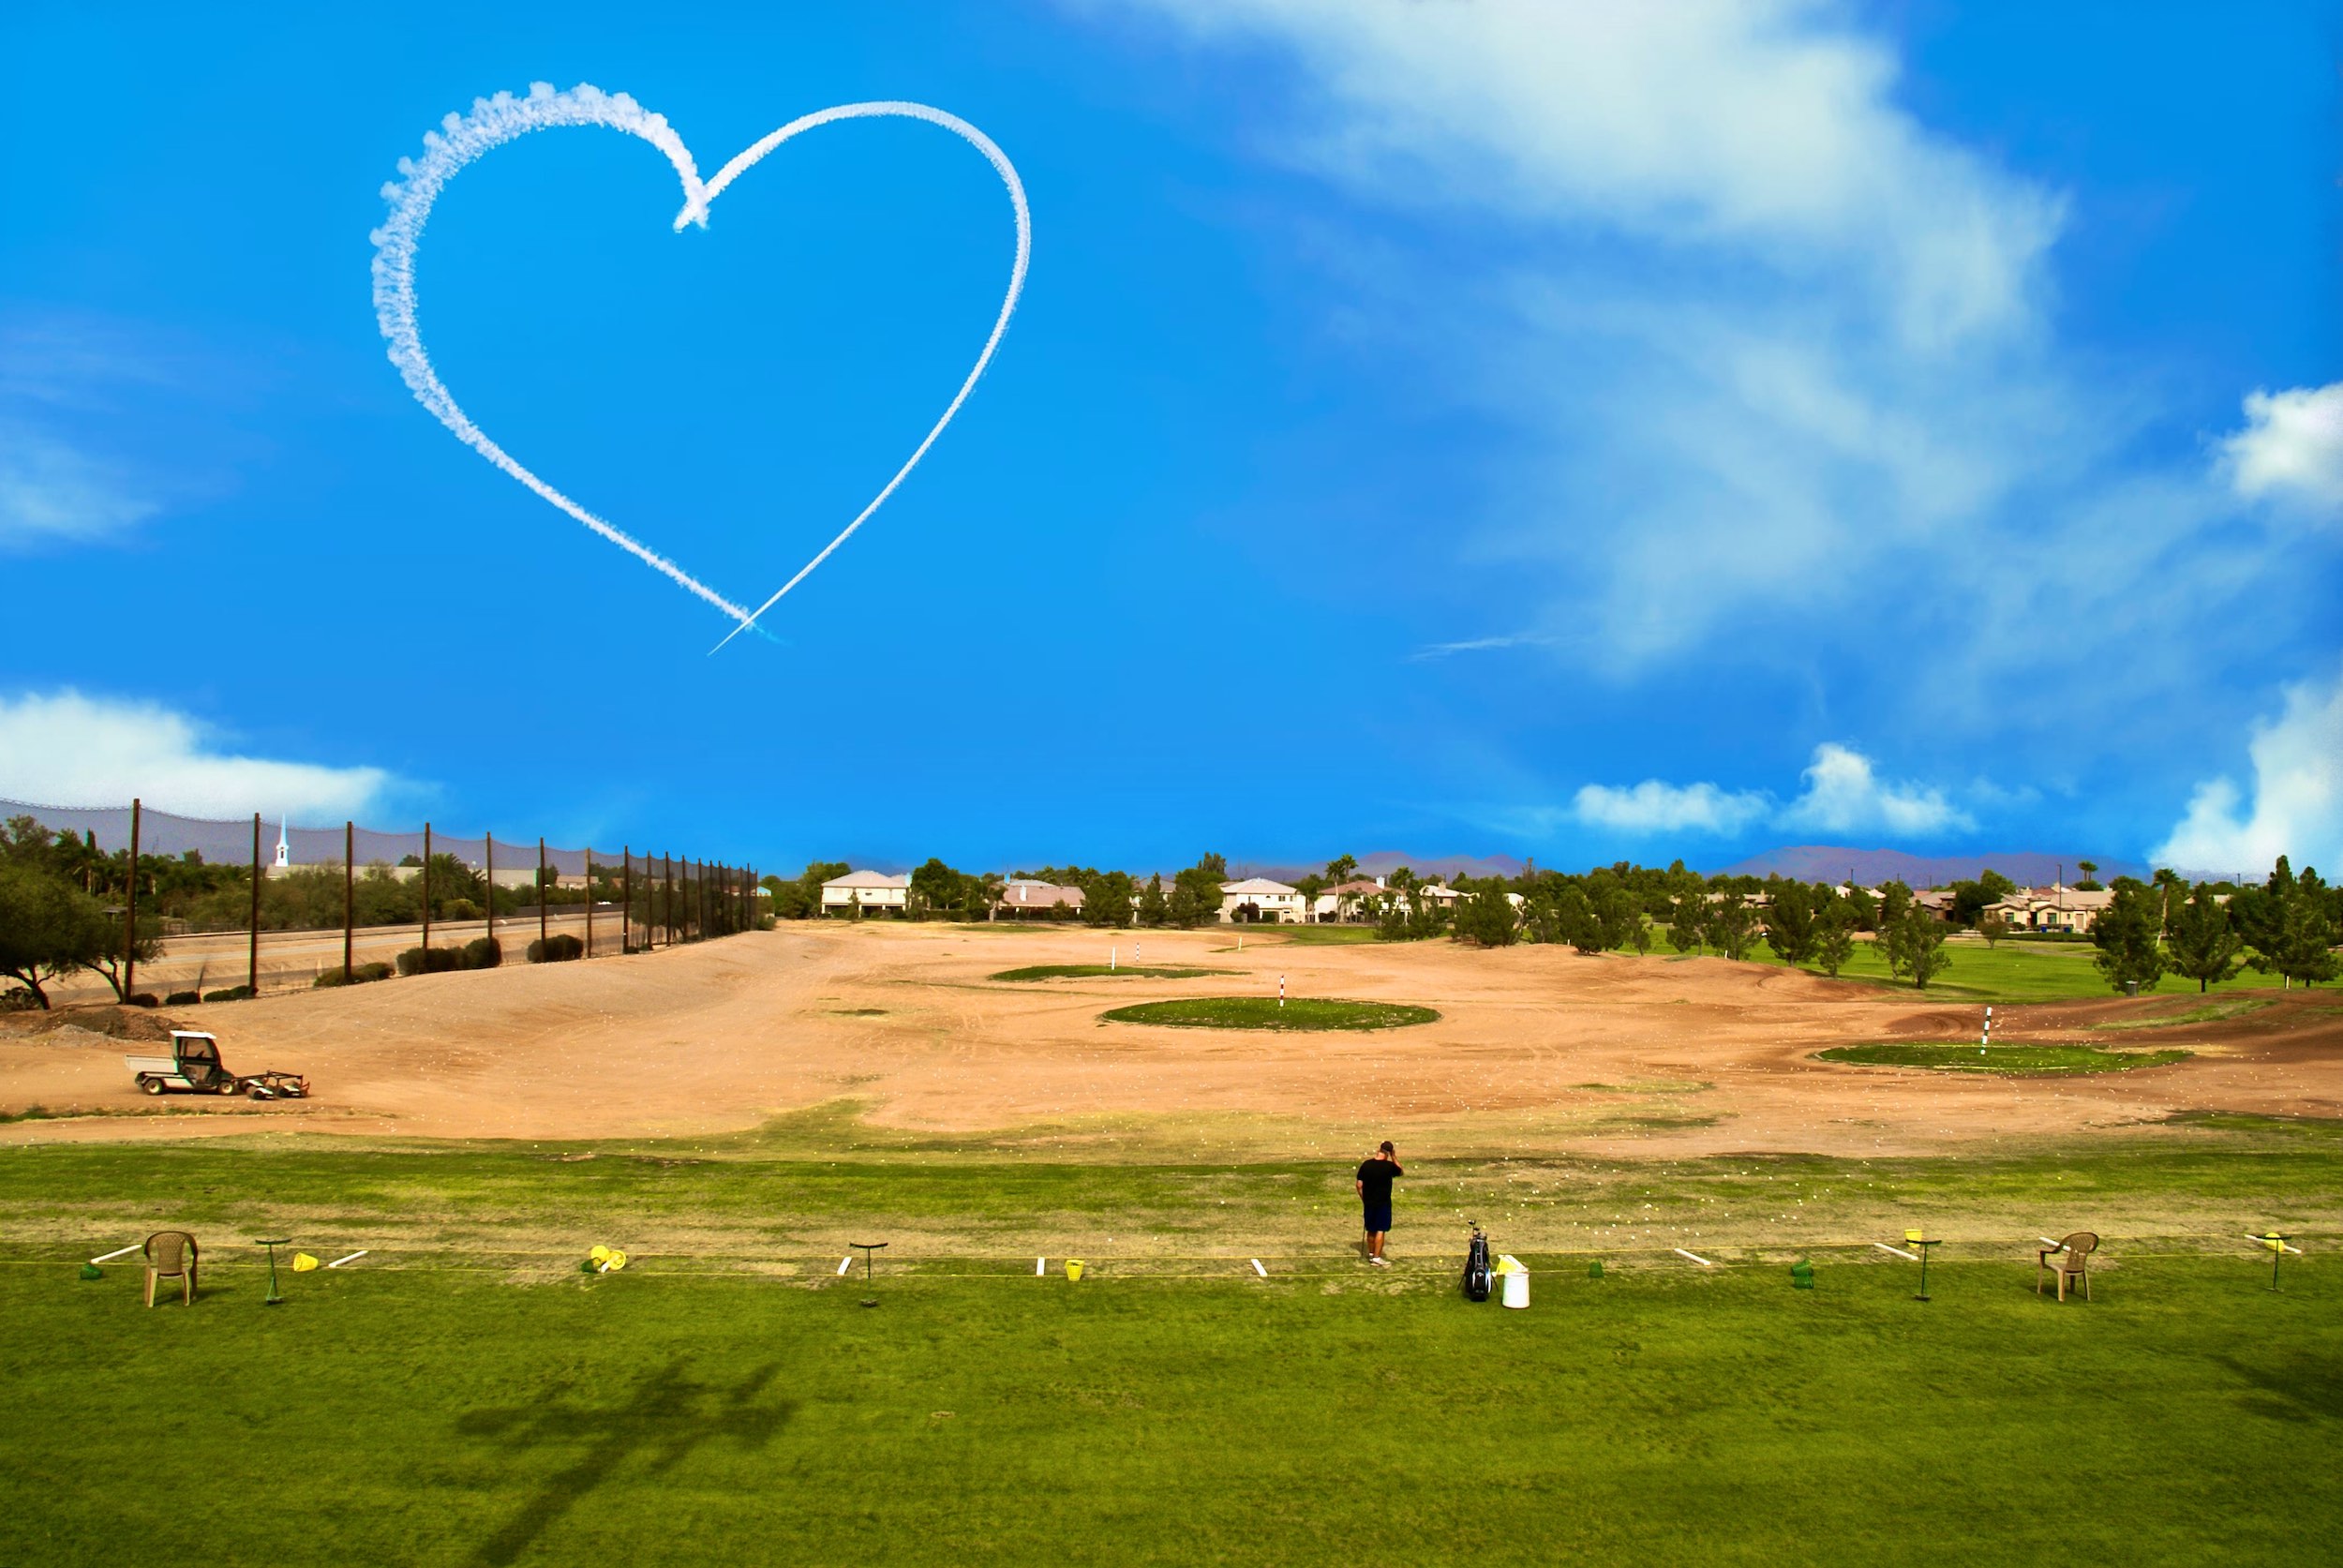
(1538, 1049)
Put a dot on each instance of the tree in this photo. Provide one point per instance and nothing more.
(1152, 908)
(1791, 928)
(48, 928)
(106, 939)
(1342, 869)
(1576, 920)
(1107, 899)
(1200, 885)
(1914, 944)
(2204, 944)
(1619, 914)
(1993, 925)
(1488, 916)
(2126, 935)
(1731, 924)
(1687, 921)
(2090, 883)
(1834, 937)
(2298, 929)
(1970, 900)
(936, 885)
(2172, 891)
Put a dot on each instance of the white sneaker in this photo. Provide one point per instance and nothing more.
(1380, 1262)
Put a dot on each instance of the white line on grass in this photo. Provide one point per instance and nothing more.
(123, 1253)
(1897, 1250)
(1694, 1257)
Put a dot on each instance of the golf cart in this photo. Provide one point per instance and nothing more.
(194, 1066)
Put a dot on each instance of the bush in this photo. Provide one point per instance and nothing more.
(459, 910)
(436, 960)
(182, 999)
(18, 999)
(360, 975)
(146, 1000)
(234, 993)
(556, 950)
(483, 952)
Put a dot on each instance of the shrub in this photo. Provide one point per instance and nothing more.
(182, 999)
(359, 975)
(436, 960)
(234, 993)
(18, 999)
(556, 950)
(146, 1000)
(459, 910)
(483, 952)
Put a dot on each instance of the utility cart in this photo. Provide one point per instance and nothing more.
(194, 1068)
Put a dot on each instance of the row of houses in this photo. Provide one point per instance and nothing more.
(1253, 901)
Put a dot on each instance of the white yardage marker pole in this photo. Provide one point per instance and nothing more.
(351, 1258)
(845, 1264)
(1258, 1269)
(1986, 1039)
(1694, 1257)
(1040, 1267)
(1281, 991)
(124, 1252)
(1109, 961)
(1897, 1250)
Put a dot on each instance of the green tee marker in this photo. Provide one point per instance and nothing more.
(1801, 1275)
(1594, 1270)
(273, 1299)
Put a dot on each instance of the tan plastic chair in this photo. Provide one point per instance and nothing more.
(172, 1255)
(2069, 1260)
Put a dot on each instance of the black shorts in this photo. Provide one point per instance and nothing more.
(1378, 1218)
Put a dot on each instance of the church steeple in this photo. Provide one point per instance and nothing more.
(284, 850)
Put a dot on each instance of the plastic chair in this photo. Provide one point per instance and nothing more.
(172, 1255)
(2070, 1259)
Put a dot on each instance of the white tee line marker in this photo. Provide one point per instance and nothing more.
(845, 1264)
(1694, 1257)
(1258, 1269)
(1897, 1250)
(123, 1252)
(351, 1258)
(2264, 1242)
(1040, 1267)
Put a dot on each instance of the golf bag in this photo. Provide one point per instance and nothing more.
(1476, 1272)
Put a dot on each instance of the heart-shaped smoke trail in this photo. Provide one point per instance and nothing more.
(493, 121)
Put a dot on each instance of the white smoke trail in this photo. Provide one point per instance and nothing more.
(493, 121)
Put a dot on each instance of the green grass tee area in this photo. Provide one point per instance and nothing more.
(465, 1397)
(1270, 1012)
(1100, 971)
(2015, 971)
(2026, 1061)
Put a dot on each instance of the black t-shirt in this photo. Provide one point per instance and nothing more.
(1376, 1176)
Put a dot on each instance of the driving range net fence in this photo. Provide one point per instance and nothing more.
(215, 910)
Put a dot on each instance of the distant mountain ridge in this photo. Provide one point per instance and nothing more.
(1383, 861)
(1822, 863)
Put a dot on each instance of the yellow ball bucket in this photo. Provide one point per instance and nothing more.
(1073, 1268)
(612, 1260)
(599, 1254)
(303, 1262)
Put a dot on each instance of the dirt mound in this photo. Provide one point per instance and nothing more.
(115, 1022)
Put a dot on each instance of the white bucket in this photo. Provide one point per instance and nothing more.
(1517, 1289)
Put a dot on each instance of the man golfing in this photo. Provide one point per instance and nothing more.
(1376, 1175)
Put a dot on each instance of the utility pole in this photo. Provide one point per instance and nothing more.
(350, 894)
(252, 948)
(130, 914)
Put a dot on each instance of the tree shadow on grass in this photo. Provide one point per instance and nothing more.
(2308, 1389)
(663, 1418)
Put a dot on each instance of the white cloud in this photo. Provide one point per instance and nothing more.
(51, 492)
(1768, 127)
(1844, 794)
(68, 750)
(2297, 798)
(2291, 446)
(1654, 807)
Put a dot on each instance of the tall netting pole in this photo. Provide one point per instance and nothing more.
(626, 898)
(252, 945)
(350, 894)
(666, 909)
(426, 901)
(590, 901)
(488, 858)
(542, 900)
(130, 913)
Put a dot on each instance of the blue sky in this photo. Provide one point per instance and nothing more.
(1579, 433)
